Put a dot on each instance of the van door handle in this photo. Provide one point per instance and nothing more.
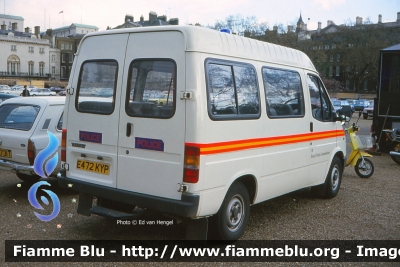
(311, 127)
(128, 129)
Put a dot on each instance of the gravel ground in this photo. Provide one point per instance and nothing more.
(365, 209)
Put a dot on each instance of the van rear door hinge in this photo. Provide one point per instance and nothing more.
(70, 90)
(185, 95)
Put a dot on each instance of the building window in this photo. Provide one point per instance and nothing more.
(337, 70)
(30, 68)
(326, 46)
(330, 71)
(333, 46)
(53, 58)
(31, 49)
(70, 58)
(41, 50)
(365, 85)
(13, 47)
(41, 69)
(63, 72)
(347, 85)
(53, 70)
(63, 58)
(331, 58)
(338, 57)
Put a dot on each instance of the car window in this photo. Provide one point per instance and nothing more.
(19, 117)
(151, 90)
(283, 92)
(232, 89)
(320, 103)
(96, 87)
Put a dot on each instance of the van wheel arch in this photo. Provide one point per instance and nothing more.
(250, 182)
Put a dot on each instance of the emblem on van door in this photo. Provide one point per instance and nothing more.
(90, 137)
(149, 144)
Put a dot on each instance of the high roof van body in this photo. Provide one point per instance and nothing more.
(195, 123)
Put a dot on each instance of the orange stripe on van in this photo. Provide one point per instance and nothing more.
(230, 146)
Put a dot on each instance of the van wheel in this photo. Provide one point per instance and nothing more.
(28, 178)
(233, 216)
(332, 182)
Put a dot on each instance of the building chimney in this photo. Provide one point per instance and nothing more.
(128, 18)
(27, 30)
(398, 16)
(380, 18)
(141, 18)
(358, 20)
(319, 25)
(37, 31)
(152, 16)
(14, 26)
(330, 22)
(3, 27)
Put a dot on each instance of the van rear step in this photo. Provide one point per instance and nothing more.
(105, 212)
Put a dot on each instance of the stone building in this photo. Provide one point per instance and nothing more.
(154, 20)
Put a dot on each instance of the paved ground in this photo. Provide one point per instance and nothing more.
(364, 209)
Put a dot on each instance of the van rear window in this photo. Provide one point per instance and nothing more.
(96, 88)
(151, 89)
(18, 117)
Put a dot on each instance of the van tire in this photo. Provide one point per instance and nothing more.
(333, 180)
(28, 178)
(234, 213)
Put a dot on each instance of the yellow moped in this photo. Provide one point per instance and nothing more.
(359, 158)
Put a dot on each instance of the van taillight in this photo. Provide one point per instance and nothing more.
(64, 145)
(31, 152)
(191, 164)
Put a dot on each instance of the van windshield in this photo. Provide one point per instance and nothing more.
(96, 88)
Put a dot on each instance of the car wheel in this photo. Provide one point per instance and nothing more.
(28, 178)
(330, 188)
(234, 213)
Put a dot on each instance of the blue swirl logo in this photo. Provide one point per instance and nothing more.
(44, 166)
(44, 154)
(32, 199)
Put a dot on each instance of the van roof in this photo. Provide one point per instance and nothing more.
(199, 39)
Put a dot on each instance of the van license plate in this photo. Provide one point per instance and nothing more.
(91, 166)
(5, 153)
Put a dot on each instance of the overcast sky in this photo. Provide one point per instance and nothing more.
(100, 13)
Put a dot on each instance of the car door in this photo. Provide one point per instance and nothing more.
(151, 135)
(323, 129)
(93, 115)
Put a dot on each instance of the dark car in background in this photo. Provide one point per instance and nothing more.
(359, 105)
(56, 89)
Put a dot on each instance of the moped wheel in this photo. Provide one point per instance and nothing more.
(395, 158)
(365, 168)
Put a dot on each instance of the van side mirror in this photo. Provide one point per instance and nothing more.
(342, 118)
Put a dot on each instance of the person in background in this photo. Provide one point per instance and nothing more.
(25, 92)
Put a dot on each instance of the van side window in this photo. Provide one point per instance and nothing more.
(283, 92)
(60, 122)
(321, 107)
(232, 91)
(96, 87)
(151, 89)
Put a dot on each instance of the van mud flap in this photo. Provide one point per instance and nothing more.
(85, 204)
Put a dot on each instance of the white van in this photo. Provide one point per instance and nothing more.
(241, 122)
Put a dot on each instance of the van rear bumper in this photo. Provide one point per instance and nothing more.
(186, 207)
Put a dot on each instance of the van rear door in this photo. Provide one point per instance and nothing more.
(93, 109)
(152, 117)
